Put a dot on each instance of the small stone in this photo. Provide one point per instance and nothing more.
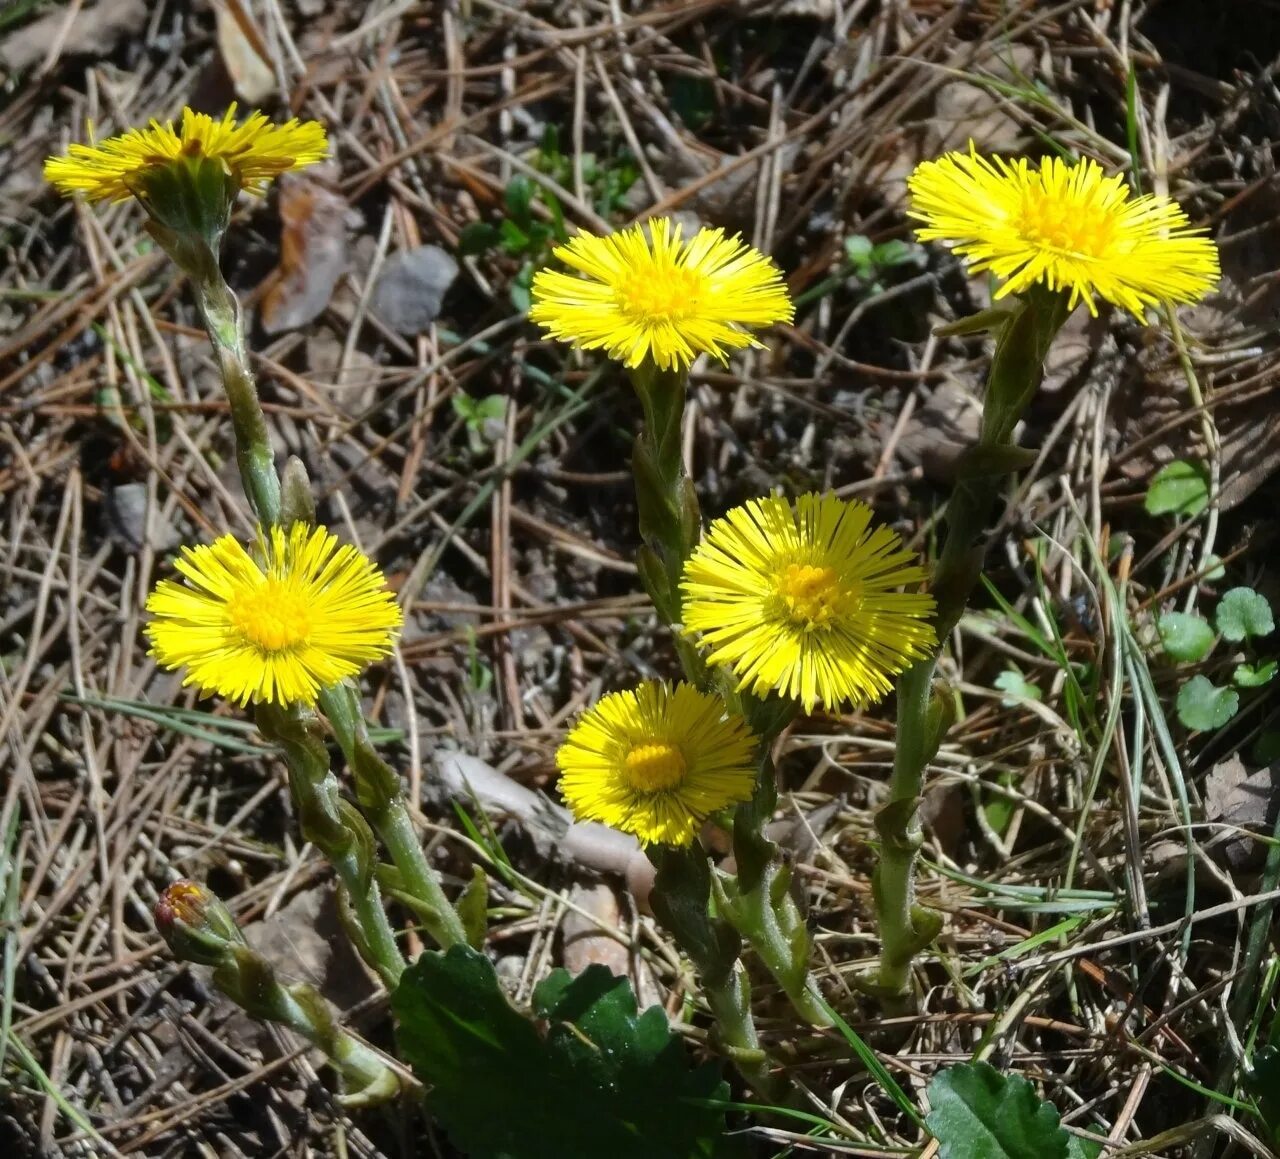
(127, 513)
(411, 288)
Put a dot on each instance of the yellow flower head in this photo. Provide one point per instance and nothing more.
(1066, 226)
(656, 762)
(299, 614)
(659, 298)
(802, 601)
(253, 153)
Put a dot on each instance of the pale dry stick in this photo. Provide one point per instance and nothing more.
(27, 669)
(92, 767)
(1196, 1131)
(1151, 933)
(1125, 1120)
(500, 568)
(656, 188)
(578, 122)
(904, 415)
(584, 213)
(769, 177)
(863, 306)
(455, 86)
(366, 293)
(392, 12)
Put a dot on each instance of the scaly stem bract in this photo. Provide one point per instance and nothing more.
(379, 793)
(1016, 370)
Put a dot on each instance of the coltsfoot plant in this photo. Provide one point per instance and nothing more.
(782, 605)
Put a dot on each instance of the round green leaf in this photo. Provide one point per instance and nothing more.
(1178, 488)
(1185, 637)
(1253, 675)
(1242, 613)
(1203, 706)
(980, 1113)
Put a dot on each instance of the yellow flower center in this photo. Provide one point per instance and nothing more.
(655, 296)
(1066, 227)
(811, 597)
(272, 616)
(655, 766)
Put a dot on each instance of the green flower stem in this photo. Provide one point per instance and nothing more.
(379, 793)
(670, 520)
(729, 1000)
(224, 322)
(1025, 335)
(681, 901)
(757, 901)
(198, 928)
(250, 981)
(338, 830)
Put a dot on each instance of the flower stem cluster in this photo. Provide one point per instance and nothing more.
(286, 623)
(198, 928)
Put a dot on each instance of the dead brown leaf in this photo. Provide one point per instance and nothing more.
(313, 252)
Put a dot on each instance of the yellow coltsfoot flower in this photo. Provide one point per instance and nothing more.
(656, 762)
(188, 178)
(298, 614)
(255, 152)
(1066, 226)
(803, 601)
(659, 298)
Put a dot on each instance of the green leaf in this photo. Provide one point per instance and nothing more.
(514, 239)
(857, 251)
(1184, 636)
(1253, 675)
(1017, 686)
(1264, 1083)
(1203, 706)
(519, 195)
(1179, 488)
(520, 290)
(980, 1113)
(892, 253)
(477, 236)
(1243, 613)
(602, 1079)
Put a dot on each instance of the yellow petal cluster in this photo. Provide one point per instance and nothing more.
(1065, 226)
(654, 296)
(656, 761)
(255, 152)
(299, 613)
(803, 600)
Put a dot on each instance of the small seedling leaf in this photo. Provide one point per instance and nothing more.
(1179, 488)
(519, 195)
(1254, 675)
(857, 251)
(586, 1085)
(1203, 706)
(893, 252)
(1243, 613)
(476, 237)
(980, 1113)
(1017, 686)
(1185, 637)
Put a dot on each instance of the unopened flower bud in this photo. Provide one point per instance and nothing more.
(196, 926)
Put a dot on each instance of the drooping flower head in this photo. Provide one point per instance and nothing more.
(804, 601)
(656, 762)
(298, 613)
(1066, 226)
(256, 151)
(187, 178)
(654, 296)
